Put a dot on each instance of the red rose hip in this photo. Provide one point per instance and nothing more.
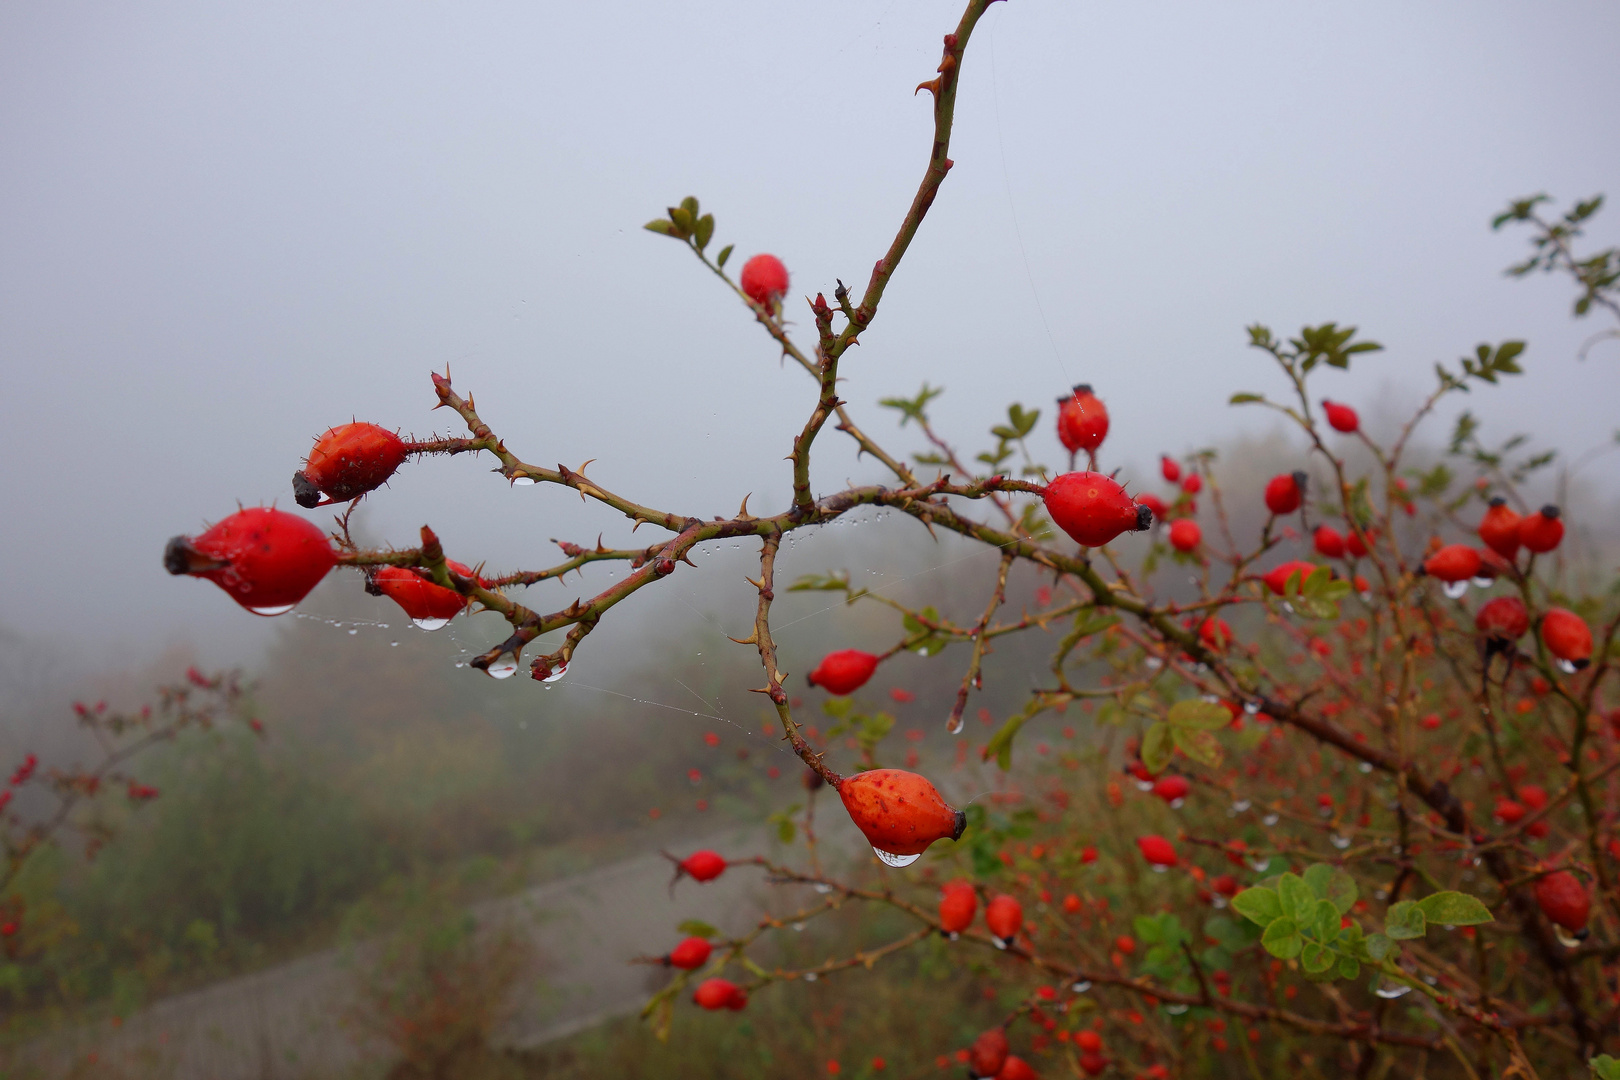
(1082, 421)
(900, 813)
(347, 462)
(1541, 531)
(1157, 851)
(958, 903)
(1185, 535)
(1567, 637)
(1284, 493)
(764, 280)
(1093, 508)
(266, 559)
(1503, 620)
(427, 604)
(1329, 542)
(690, 954)
(1340, 417)
(988, 1053)
(1499, 529)
(1453, 563)
(844, 672)
(1004, 917)
(1564, 900)
(715, 994)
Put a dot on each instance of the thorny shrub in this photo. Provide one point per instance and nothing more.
(1396, 844)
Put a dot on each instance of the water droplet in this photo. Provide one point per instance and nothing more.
(1176, 1008)
(923, 651)
(1365, 766)
(954, 725)
(353, 632)
(1241, 805)
(1340, 842)
(810, 976)
(1391, 991)
(504, 667)
(1482, 582)
(1454, 590)
(1270, 819)
(1159, 868)
(1251, 707)
(798, 927)
(1260, 863)
(1219, 902)
(280, 609)
(896, 860)
(1565, 938)
(1154, 663)
(822, 887)
(1001, 943)
(1566, 667)
(393, 644)
(430, 624)
(1324, 812)
(1177, 804)
(953, 936)
(523, 481)
(1081, 987)
(556, 674)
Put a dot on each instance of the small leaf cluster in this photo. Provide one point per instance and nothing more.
(1020, 422)
(1598, 274)
(685, 223)
(1315, 595)
(1190, 727)
(1329, 343)
(868, 729)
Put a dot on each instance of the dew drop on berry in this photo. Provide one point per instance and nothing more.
(1144, 785)
(279, 609)
(1565, 938)
(1259, 865)
(1566, 667)
(1455, 590)
(504, 667)
(892, 859)
(1482, 582)
(430, 623)
(1177, 804)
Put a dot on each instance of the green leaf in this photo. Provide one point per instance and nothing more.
(660, 226)
(1198, 714)
(1201, 746)
(1156, 748)
(1454, 909)
(1245, 399)
(1259, 906)
(1282, 939)
(1315, 959)
(1297, 901)
(690, 205)
(725, 253)
(786, 830)
(697, 928)
(1316, 876)
(1326, 923)
(1405, 920)
(1341, 891)
(704, 230)
(1378, 947)
(1000, 744)
(1348, 967)
(1605, 1067)
(682, 217)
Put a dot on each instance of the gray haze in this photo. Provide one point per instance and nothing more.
(225, 227)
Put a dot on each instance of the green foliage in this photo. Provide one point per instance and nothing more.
(915, 408)
(1302, 918)
(1009, 435)
(1605, 1067)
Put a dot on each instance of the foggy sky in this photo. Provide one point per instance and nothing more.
(224, 228)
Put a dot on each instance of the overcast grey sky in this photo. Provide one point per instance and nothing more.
(225, 227)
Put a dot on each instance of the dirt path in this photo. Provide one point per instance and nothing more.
(286, 1023)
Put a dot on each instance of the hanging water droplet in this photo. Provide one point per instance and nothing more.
(280, 609)
(1391, 991)
(1081, 987)
(1454, 590)
(504, 667)
(1219, 902)
(430, 624)
(798, 927)
(810, 976)
(354, 632)
(896, 860)
(1340, 842)
(1251, 707)
(523, 481)
(953, 935)
(1144, 785)
(1482, 582)
(1566, 667)
(1260, 863)
(1365, 766)
(1241, 805)
(954, 725)
(1001, 943)
(1177, 804)
(822, 887)
(393, 644)
(1159, 868)
(1154, 663)
(1176, 1008)
(1565, 938)
(556, 674)
(1270, 819)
